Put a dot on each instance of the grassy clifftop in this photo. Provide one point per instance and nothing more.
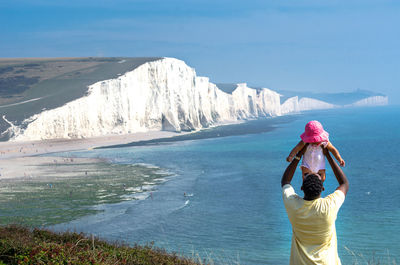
(20, 245)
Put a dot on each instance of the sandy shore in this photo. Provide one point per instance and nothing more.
(20, 160)
(13, 149)
(30, 167)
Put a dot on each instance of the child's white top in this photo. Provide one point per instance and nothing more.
(313, 158)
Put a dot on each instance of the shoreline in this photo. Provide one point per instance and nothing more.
(23, 159)
(17, 149)
(34, 176)
(242, 127)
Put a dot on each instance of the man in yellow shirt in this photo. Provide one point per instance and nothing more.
(312, 217)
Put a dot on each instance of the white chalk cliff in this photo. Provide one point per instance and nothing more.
(371, 101)
(310, 104)
(294, 104)
(290, 105)
(164, 94)
(160, 95)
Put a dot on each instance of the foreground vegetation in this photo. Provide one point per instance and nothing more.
(20, 245)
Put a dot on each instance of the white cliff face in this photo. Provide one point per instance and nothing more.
(310, 104)
(293, 105)
(290, 105)
(250, 103)
(371, 101)
(269, 103)
(159, 95)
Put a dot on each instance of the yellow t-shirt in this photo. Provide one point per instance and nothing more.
(313, 223)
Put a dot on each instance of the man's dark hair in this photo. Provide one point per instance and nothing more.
(312, 186)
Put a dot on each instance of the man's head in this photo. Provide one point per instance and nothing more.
(312, 186)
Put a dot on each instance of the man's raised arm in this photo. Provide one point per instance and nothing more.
(339, 174)
(289, 172)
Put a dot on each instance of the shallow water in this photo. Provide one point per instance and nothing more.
(67, 191)
(233, 212)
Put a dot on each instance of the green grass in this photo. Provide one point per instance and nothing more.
(361, 259)
(21, 245)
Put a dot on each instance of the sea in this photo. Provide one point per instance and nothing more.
(221, 201)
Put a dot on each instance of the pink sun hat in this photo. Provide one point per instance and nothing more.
(314, 132)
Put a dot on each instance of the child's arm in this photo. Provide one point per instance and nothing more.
(295, 150)
(336, 154)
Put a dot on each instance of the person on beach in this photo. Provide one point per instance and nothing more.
(313, 160)
(313, 218)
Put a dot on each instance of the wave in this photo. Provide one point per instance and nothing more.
(136, 196)
(183, 206)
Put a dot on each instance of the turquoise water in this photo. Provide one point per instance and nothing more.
(233, 213)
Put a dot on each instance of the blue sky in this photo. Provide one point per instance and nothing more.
(300, 45)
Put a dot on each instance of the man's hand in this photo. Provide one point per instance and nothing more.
(339, 174)
(325, 150)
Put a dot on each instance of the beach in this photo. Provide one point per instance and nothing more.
(22, 159)
(17, 158)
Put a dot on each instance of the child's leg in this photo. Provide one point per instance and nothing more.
(305, 171)
(321, 172)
